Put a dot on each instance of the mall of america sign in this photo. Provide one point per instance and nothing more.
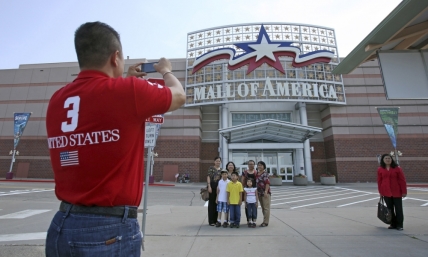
(269, 62)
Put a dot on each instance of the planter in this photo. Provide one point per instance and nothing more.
(275, 181)
(329, 181)
(300, 181)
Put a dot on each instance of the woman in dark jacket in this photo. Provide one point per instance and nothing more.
(392, 186)
(212, 205)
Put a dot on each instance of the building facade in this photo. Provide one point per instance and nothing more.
(245, 101)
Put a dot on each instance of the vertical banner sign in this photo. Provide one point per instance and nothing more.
(389, 117)
(20, 121)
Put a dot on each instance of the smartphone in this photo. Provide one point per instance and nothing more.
(148, 67)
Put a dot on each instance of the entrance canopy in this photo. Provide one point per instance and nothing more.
(273, 130)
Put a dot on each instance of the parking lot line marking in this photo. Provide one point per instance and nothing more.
(206, 204)
(425, 204)
(300, 192)
(24, 236)
(423, 200)
(312, 198)
(22, 214)
(26, 192)
(327, 201)
(358, 202)
(302, 196)
(357, 190)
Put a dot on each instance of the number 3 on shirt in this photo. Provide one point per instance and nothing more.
(72, 113)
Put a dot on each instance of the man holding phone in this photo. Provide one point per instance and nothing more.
(95, 128)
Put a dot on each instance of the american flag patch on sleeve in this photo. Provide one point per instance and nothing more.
(69, 158)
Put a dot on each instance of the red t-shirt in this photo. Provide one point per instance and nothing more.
(391, 183)
(96, 129)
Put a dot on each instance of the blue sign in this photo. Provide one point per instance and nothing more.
(20, 122)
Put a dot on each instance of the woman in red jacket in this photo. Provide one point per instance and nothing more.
(392, 186)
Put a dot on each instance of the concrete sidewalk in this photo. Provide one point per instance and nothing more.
(183, 231)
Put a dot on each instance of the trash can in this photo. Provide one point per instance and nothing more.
(151, 179)
(9, 175)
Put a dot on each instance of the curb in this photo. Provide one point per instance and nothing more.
(52, 181)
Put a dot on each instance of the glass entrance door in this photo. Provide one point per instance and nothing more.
(280, 163)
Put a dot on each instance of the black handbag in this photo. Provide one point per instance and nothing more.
(383, 213)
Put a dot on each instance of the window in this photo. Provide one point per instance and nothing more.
(242, 118)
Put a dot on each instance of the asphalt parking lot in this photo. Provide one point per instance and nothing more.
(305, 221)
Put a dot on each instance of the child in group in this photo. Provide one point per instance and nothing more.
(251, 199)
(234, 199)
(222, 200)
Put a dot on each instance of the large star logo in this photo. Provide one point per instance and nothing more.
(262, 51)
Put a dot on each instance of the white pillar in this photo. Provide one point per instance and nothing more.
(306, 148)
(224, 153)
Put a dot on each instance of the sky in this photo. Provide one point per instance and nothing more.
(42, 31)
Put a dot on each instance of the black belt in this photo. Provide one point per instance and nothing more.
(107, 211)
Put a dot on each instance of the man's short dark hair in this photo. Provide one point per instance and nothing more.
(94, 43)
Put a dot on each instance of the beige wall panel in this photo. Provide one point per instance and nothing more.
(398, 103)
(5, 93)
(70, 73)
(421, 108)
(210, 136)
(40, 76)
(339, 121)
(171, 132)
(409, 130)
(375, 89)
(372, 63)
(357, 71)
(340, 130)
(424, 120)
(367, 130)
(210, 127)
(50, 90)
(421, 101)
(331, 110)
(192, 123)
(355, 130)
(376, 121)
(191, 111)
(36, 93)
(32, 128)
(36, 108)
(373, 81)
(178, 65)
(353, 121)
(357, 109)
(408, 108)
(378, 101)
(192, 132)
(413, 121)
(355, 100)
(42, 129)
(7, 129)
(353, 81)
(327, 132)
(327, 123)
(3, 110)
(371, 70)
(355, 90)
(366, 121)
(207, 117)
(23, 76)
(167, 122)
(19, 93)
(58, 75)
(1, 127)
(7, 76)
(178, 123)
(44, 110)
(425, 129)
(11, 108)
(177, 112)
(210, 109)
(317, 138)
(403, 120)
(382, 131)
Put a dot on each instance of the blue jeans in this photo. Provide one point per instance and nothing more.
(80, 235)
(252, 211)
(235, 213)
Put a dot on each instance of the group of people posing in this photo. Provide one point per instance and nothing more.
(227, 191)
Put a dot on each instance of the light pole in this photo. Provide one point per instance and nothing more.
(13, 152)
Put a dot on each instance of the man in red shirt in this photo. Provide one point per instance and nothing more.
(96, 129)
